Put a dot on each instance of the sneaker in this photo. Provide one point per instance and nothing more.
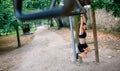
(77, 56)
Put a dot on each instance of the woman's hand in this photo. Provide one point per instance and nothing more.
(82, 15)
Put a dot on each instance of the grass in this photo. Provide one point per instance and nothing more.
(9, 42)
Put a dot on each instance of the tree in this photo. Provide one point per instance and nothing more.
(30, 5)
(16, 27)
(36, 4)
(109, 5)
(8, 22)
(6, 16)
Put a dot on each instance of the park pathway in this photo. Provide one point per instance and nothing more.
(48, 51)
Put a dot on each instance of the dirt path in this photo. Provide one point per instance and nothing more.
(50, 52)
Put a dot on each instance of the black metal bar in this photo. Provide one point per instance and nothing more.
(80, 6)
(55, 12)
(79, 10)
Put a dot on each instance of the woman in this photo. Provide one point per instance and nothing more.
(82, 46)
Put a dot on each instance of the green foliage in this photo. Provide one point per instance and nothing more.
(8, 21)
(32, 5)
(109, 5)
(29, 5)
(7, 18)
(37, 4)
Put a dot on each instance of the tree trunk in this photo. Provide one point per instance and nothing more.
(66, 22)
(51, 23)
(59, 23)
(26, 29)
(18, 37)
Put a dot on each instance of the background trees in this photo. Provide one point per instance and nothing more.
(109, 5)
(8, 21)
(6, 16)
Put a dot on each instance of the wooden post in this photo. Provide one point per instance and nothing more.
(77, 26)
(18, 36)
(95, 35)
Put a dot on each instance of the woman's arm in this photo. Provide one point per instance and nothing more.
(81, 24)
(84, 18)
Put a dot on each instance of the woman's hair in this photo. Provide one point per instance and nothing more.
(84, 23)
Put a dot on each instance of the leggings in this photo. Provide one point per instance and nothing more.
(81, 47)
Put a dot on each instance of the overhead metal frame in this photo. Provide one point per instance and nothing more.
(65, 10)
(54, 12)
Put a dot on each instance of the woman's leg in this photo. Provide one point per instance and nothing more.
(81, 49)
(83, 55)
(87, 49)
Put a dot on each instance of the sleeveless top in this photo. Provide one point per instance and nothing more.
(83, 35)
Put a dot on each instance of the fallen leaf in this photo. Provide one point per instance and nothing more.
(109, 56)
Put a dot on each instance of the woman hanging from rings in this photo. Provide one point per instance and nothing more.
(82, 46)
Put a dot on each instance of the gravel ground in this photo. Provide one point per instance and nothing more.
(51, 52)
